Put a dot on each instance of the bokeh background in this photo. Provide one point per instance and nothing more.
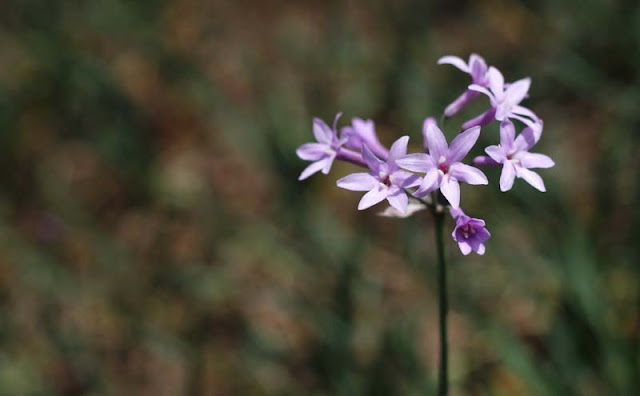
(154, 239)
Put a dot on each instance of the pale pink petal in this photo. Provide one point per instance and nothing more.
(454, 61)
(436, 142)
(416, 162)
(481, 249)
(399, 201)
(378, 194)
(507, 177)
(312, 151)
(451, 190)
(398, 148)
(322, 132)
(507, 134)
(535, 160)
(517, 91)
(467, 174)
(496, 153)
(531, 177)
(429, 183)
(358, 182)
(462, 144)
(311, 169)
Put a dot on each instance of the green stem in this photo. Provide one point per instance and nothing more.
(443, 384)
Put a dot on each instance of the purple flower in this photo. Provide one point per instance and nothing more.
(327, 149)
(442, 165)
(513, 153)
(470, 233)
(505, 100)
(385, 179)
(477, 68)
(363, 132)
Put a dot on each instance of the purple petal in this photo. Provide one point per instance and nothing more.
(528, 137)
(465, 248)
(496, 82)
(451, 191)
(461, 145)
(425, 125)
(496, 153)
(523, 111)
(312, 168)
(507, 177)
(533, 124)
(535, 160)
(507, 134)
(483, 119)
(478, 69)
(372, 161)
(481, 249)
(481, 89)
(363, 133)
(399, 201)
(312, 151)
(460, 103)
(378, 194)
(531, 177)
(429, 183)
(335, 122)
(517, 90)
(398, 149)
(328, 163)
(351, 156)
(404, 179)
(416, 162)
(483, 160)
(436, 142)
(358, 182)
(467, 174)
(454, 61)
(322, 132)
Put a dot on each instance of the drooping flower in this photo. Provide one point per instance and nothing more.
(477, 69)
(363, 132)
(442, 165)
(470, 233)
(385, 180)
(326, 150)
(513, 153)
(505, 100)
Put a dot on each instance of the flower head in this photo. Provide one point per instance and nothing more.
(363, 133)
(513, 153)
(477, 69)
(442, 165)
(324, 151)
(505, 99)
(385, 180)
(470, 233)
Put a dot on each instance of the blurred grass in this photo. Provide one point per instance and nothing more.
(154, 239)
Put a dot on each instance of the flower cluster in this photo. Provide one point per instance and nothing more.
(411, 182)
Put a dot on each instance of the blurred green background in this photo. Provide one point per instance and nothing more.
(154, 239)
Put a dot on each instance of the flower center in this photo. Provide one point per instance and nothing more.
(442, 164)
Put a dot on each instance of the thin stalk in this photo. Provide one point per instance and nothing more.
(443, 383)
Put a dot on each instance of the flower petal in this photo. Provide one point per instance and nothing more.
(465, 247)
(496, 82)
(454, 61)
(404, 179)
(483, 160)
(436, 142)
(460, 103)
(358, 182)
(507, 134)
(496, 153)
(429, 183)
(507, 177)
(399, 201)
(478, 69)
(481, 249)
(372, 161)
(328, 163)
(529, 137)
(312, 151)
(425, 125)
(398, 149)
(312, 168)
(322, 132)
(480, 120)
(531, 177)
(481, 89)
(462, 144)
(535, 160)
(416, 162)
(517, 91)
(451, 190)
(467, 174)
(378, 194)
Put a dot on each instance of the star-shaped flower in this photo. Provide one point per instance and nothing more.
(324, 151)
(385, 179)
(513, 153)
(442, 165)
(477, 69)
(505, 99)
(363, 132)
(470, 233)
